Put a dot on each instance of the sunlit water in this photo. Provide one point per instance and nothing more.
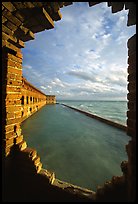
(80, 150)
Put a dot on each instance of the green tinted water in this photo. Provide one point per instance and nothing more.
(79, 149)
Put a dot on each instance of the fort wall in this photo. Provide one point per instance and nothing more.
(23, 177)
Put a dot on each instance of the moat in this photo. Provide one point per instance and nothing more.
(80, 150)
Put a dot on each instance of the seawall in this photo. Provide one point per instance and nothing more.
(109, 122)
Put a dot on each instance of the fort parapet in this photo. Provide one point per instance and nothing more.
(50, 99)
(32, 99)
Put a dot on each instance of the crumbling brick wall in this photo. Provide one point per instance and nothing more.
(20, 20)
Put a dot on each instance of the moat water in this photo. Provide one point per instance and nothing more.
(80, 150)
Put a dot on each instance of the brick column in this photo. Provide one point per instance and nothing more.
(11, 98)
(131, 121)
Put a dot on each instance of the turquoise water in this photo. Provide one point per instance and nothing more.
(80, 150)
(112, 110)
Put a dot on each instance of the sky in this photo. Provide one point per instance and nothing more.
(84, 57)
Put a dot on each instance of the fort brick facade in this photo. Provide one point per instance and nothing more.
(32, 99)
(24, 179)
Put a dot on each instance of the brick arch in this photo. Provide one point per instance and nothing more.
(19, 23)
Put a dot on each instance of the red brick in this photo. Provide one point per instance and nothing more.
(15, 71)
(10, 135)
(19, 55)
(14, 58)
(13, 89)
(13, 121)
(9, 128)
(18, 114)
(9, 142)
(19, 139)
(14, 76)
(10, 115)
(13, 82)
(14, 64)
(13, 96)
(10, 102)
(13, 108)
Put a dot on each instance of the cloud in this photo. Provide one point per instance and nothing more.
(43, 87)
(85, 55)
(82, 75)
(27, 67)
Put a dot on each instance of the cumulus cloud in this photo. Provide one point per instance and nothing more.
(84, 56)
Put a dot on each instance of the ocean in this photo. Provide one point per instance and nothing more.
(112, 110)
(79, 149)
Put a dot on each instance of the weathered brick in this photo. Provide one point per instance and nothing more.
(132, 51)
(131, 123)
(18, 132)
(19, 55)
(13, 102)
(10, 46)
(36, 161)
(10, 115)
(13, 121)
(11, 76)
(132, 42)
(132, 59)
(7, 151)
(132, 106)
(131, 69)
(29, 153)
(10, 135)
(132, 77)
(9, 128)
(11, 18)
(11, 26)
(14, 82)
(14, 58)
(4, 19)
(14, 70)
(13, 108)
(131, 132)
(131, 115)
(9, 142)
(14, 64)
(19, 139)
(18, 114)
(7, 30)
(132, 87)
(131, 97)
(13, 89)
(22, 145)
(9, 6)
(13, 96)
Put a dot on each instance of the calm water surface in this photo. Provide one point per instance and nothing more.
(79, 149)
